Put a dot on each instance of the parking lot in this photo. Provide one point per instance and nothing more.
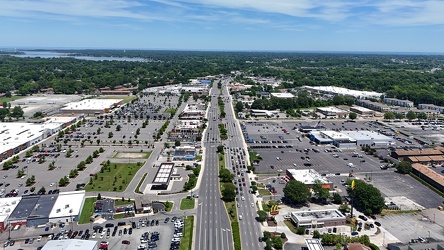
(154, 231)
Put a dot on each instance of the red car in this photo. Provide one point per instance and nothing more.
(126, 242)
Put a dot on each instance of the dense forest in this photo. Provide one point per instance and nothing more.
(415, 77)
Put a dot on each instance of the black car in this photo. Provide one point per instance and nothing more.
(152, 223)
(167, 219)
(377, 224)
(157, 222)
(130, 231)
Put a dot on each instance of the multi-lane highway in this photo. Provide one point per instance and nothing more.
(249, 227)
(213, 227)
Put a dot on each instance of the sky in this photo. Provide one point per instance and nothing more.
(233, 25)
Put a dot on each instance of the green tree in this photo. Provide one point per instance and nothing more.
(352, 115)
(296, 192)
(17, 112)
(404, 167)
(99, 196)
(225, 175)
(220, 149)
(410, 115)
(389, 115)
(316, 234)
(262, 215)
(422, 116)
(239, 106)
(337, 198)
(399, 116)
(177, 143)
(110, 134)
(319, 191)
(367, 197)
(229, 192)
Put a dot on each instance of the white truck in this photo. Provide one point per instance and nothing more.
(351, 165)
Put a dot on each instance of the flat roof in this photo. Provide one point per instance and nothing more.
(418, 152)
(307, 176)
(43, 206)
(7, 206)
(332, 109)
(368, 135)
(91, 104)
(344, 91)
(282, 95)
(423, 169)
(362, 109)
(319, 215)
(71, 244)
(336, 135)
(163, 173)
(68, 204)
(25, 207)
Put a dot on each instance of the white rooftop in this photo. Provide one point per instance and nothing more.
(15, 134)
(319, 215)
(362, 109)
(307, 176)
(332, 109)
(71, 244)
(336, 135)
(7, 206)
(164, 173)
(282, 95)
(368, 135)
(344, 91)
(91, 104)
(68, 204)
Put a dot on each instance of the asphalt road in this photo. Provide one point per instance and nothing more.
(249, 227)
(213, 229)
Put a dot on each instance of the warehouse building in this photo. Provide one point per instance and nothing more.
(7, 206)
(429, 175)
(318, 218)
(91, 106)
(339, 139)
(67, 207)
(308, 177)
(332, 90)
(403, 155)
(21, 213)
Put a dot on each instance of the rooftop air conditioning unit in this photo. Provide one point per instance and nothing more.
(58, 210)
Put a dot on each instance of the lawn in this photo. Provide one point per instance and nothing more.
(87, 211)
(170, 111)
(254, 157)
(10, 99)
(126, 99)
(168, 206)
(116, 178)
(263, 192)
(187, 204)
(187, 239)
(236, 235)
(221, 160)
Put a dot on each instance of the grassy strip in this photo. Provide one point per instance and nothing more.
(427, 184)
(290, 226)
(187, 239)
(87, 211)
(115, 179)
(140, 183)
(236, 235)
(263, 192)
(221, 161)
(186, 204)
(10, 99)
(387, 211)
(119, 202)
(118, 216)
(254, 157)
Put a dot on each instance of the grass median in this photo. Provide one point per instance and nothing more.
(140, 184)
(186, 204)
(87, 210)
(115, 178)
(187, 239)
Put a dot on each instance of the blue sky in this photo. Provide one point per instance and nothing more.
(295, 25)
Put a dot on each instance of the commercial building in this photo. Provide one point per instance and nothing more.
(370, 138)
(193, 112)
(91, 106)
(332, 112)
(184, 153)
(71, 244)
(399, 102)
(40, 213)
(332, 90)
(362, 111)
(15, 137)
(21, 213)
(67, 207)
(403, 155)
(313, 244)
(308, 177)
(338, 139)
(186, 130)
(7, 206)
(163, 176)
(431, 107)
(282, 95)
(318, 218)
(416, 246)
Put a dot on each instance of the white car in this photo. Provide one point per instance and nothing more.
(39, 238)
(52, 184)
(94, 235)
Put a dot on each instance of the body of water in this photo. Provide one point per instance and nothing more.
(51, 54)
